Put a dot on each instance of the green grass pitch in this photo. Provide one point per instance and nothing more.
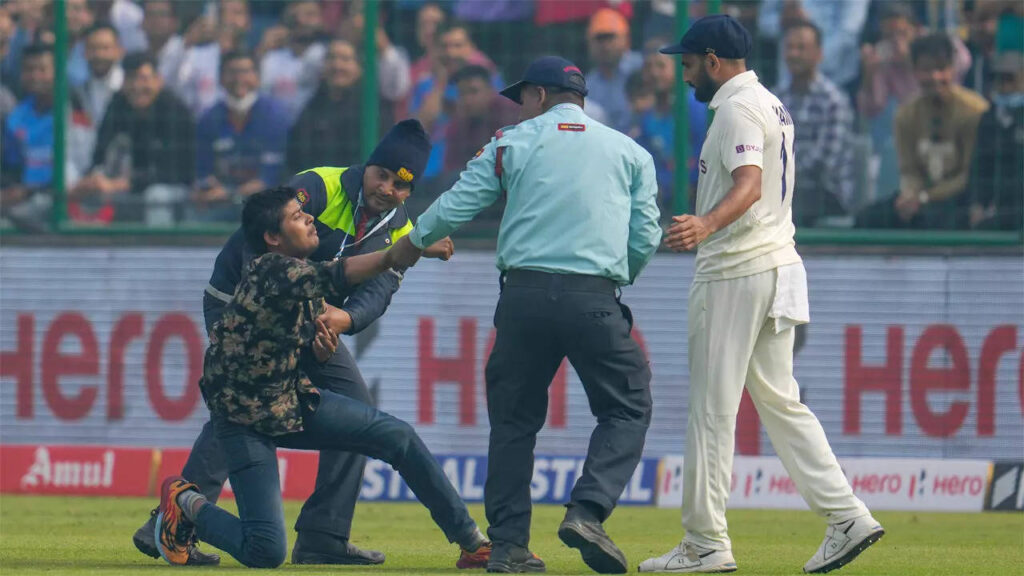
(64, 535)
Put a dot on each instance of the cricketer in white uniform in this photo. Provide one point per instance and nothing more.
(748, 294)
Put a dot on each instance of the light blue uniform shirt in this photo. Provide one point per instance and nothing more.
(581, 198)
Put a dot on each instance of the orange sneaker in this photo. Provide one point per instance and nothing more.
(174, 533)
(478, 559)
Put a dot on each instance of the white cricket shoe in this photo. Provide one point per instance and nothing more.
(843, 542)
(688, 558)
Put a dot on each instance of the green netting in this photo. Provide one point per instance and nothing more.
(386, 40)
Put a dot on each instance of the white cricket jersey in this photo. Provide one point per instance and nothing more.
(751, 128)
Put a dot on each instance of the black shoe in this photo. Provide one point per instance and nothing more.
(586, 534)
(316, 548)
(144, 538)
(510, 559)
(145, 541)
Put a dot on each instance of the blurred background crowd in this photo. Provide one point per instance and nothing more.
(908, 114)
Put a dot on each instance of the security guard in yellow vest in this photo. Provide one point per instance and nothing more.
(359, 209)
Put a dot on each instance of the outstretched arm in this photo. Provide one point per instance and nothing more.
(297, 279)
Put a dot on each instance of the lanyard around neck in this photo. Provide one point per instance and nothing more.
(355, 226)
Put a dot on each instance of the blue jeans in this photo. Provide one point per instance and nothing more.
(256, 538)
(339, 477)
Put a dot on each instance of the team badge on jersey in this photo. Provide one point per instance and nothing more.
(302, 196)
(572, 127)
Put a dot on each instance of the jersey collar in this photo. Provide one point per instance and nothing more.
(734, 85)
(565, 106)
(352, 182)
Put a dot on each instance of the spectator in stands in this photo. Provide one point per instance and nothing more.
(479, 112)
(29, 18)
(842, 20)
(658, 17)
(641, 99)
(328, 132)
(981, 41)
(79, 20)
(656, 127)
(26, 178)
(103, 54)
(25, 190)
(564, 25)
(126, 17)
(293, 57)
(198, 83)
(498, 26)
(234, 25)
(935, 137)
(145, 150)
(997, 176)
(7, 98)
(393, 77)
(887, 76)
(90, 100)
(80, 138)
(1010, 27)
(613, 62)
(824, 122)
(161, 25)
(240, 143)
(887, 82)
(434, 96)
(429, 18)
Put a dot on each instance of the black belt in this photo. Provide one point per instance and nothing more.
(538, 279)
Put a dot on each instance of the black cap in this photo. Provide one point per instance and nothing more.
(718, 34)
(403, 150)
(549, 71)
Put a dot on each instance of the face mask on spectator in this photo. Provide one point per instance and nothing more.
(241, 105)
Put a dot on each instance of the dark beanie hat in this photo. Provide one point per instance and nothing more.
(403, 150)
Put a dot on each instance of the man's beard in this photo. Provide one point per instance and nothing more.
(704, 88)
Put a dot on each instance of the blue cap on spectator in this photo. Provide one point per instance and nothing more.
(549, 71)
(718, 34)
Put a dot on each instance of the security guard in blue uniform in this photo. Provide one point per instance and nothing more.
(580, 221)
(358, 210)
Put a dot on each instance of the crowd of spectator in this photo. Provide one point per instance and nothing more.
(908, 114)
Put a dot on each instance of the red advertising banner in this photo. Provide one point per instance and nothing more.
(84, 470)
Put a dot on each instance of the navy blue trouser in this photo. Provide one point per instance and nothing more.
(257, 538)
(542, 318)
(339, 477)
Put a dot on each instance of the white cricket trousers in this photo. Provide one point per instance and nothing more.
(734, 343)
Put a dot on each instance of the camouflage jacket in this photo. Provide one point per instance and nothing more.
(251, 373)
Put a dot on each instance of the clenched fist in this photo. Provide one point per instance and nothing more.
(442, 249)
